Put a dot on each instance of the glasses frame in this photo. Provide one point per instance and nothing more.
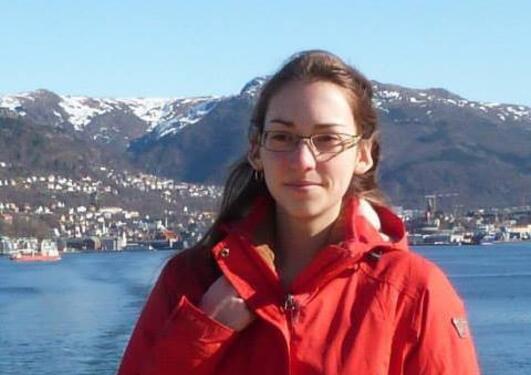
(351, 141)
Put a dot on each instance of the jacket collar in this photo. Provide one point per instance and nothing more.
(249, 266)
(360, 222)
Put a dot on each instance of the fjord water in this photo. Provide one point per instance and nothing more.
(75, 316)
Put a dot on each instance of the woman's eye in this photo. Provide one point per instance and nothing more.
(327, 138)
(281, 137)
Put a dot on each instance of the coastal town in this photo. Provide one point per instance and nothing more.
(79, 215)
(89, 214)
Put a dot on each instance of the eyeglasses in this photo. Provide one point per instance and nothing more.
(321, 143)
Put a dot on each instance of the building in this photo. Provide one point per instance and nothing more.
(6, 246)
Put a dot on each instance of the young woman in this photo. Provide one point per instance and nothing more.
(306, 271)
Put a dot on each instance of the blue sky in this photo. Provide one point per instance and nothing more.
(477, 49)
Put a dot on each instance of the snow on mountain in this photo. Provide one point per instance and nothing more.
(81, 110)
(162, 115)
(15, 103)
(386, 95)
(182, 113)
(165, 116)
(151, 110)
(253, 87)
(10, 102)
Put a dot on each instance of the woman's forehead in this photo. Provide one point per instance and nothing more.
(311, 104)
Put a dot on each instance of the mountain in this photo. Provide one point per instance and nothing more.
(436, 142)
(106, 120)
(433, 141)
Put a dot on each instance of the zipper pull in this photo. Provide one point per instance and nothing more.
(290, 305)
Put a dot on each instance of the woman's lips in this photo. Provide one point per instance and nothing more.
(302, 186)
(302, 183)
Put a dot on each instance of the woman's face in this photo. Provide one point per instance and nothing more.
(304, 183)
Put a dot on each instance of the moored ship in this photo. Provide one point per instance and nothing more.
(47, 253)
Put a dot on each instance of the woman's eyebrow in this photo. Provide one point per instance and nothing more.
(287, 123)
(291, 124)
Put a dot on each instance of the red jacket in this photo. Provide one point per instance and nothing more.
(363, 306)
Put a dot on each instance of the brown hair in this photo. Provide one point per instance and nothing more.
(309, 66)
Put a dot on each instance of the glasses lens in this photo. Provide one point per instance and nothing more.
(322, 143)
(279, 141)
(328, 142)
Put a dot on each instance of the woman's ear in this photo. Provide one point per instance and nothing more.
(364, 160)
(253, 157)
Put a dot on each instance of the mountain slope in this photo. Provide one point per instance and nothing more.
(433, 140)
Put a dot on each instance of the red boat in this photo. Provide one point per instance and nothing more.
(48, 253)
(34, 257)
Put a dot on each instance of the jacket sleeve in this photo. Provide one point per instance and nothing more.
(444, 342)
(170, 339)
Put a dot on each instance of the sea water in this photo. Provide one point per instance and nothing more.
(75, 316)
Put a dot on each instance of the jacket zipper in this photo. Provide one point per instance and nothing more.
(291, 309)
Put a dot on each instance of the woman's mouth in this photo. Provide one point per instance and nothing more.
(302, 183)
(302, 186)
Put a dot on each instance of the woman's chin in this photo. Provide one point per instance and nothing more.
(303, 210)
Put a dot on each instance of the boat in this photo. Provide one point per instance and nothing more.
(48, 253)
(134, 246)
(33, 256)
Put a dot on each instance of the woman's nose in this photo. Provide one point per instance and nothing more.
(303, 155)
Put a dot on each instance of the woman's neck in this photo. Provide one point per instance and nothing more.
(298, 240)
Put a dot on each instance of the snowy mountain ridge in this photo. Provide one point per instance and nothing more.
(386, 95)
(107, 119)
(161, 115)
(434, 139)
